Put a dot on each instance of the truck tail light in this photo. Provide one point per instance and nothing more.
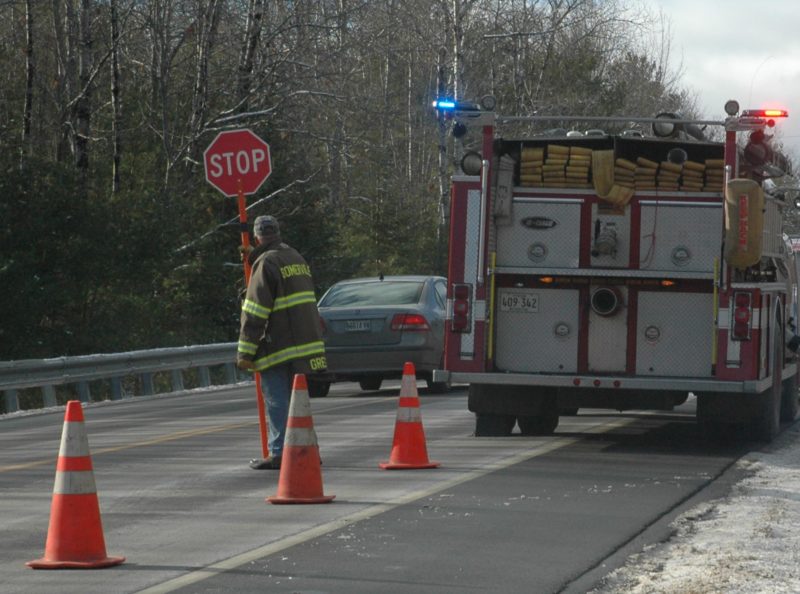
(742, 315)
(410, 323)
(462, 307)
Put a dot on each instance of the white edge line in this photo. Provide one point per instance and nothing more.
(364, 514)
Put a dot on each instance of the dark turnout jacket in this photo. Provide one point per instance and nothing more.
(280, 322)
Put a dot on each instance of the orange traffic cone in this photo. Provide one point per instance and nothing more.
(75, 536)
(408, 448)
(301, 473)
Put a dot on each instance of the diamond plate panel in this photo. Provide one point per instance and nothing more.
(545, 340)
(680, 236)
(674, 334)
(544, 234)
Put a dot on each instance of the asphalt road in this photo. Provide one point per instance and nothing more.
(516, 514)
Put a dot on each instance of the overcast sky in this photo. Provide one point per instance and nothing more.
(738, 49)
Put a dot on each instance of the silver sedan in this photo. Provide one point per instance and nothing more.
(373, 326)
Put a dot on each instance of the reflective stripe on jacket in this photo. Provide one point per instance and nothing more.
(280, 322)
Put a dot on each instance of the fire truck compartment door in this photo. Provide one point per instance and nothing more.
(544, 234)
(608, 336)
(680, 236)
(537, 330)
(674, 334)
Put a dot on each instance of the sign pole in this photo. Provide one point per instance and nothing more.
(262, 421)
(237, 162)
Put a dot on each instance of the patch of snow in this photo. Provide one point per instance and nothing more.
(746, 543)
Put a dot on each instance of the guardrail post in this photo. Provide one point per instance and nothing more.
(12, 400)
(230, 373)
(148, 388)
(48, 374)
(204, 377)
(84, 394)
(49, 396)
(116, 388)
(177, 380)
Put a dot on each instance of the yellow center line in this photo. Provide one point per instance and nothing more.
(139, 444)
(163, 439)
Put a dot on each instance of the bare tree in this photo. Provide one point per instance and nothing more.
(205, 32)
(29, 79)
(250, 41)
(83, 102)
(116, 107)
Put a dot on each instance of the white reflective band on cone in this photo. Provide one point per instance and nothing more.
(407, 414)
(74, 482)
(300, 407)
(408, 385)
(300, 436)
(73, 441)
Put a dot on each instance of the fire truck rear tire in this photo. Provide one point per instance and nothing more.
(789, 399)
(487, 425)
(539, 425)
(767, 423)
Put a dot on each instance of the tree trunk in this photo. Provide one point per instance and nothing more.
(247, 56)
(116, 107)
(83, 104)
(444, 187)
(29, 77)
(64, 29)
(207, 19)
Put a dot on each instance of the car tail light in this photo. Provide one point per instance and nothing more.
(410, 322)
(462, 307)
(323, 327)
(742, 315)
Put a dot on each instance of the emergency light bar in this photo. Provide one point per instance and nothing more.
(765, 113)
(450, 105)
(444, 104)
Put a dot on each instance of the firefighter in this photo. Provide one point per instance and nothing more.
(280, 333)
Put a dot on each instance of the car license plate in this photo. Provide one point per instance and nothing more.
(357, 326)
(520, 302)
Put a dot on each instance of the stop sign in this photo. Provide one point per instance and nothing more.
(237, 156)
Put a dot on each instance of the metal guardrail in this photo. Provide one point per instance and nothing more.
(46, 374)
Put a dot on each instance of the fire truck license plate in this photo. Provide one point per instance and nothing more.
(524, 302)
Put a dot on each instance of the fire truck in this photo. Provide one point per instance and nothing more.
(622, 270)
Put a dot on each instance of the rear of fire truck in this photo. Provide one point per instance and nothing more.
(621, 271)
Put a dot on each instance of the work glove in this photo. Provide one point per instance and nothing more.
(244, 364)
(244, 252)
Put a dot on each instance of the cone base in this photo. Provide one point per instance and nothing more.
(407, 465)
(277, 500)
(97, 564)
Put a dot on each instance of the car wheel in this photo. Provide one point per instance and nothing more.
(318, 389)
(538, 425)
(487, 425)
(437, 387)
(370, 383)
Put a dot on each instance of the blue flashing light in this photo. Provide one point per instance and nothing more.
(444, 104)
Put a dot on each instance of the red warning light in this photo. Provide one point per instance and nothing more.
(765, 113)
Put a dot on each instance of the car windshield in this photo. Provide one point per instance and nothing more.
(373, 293)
